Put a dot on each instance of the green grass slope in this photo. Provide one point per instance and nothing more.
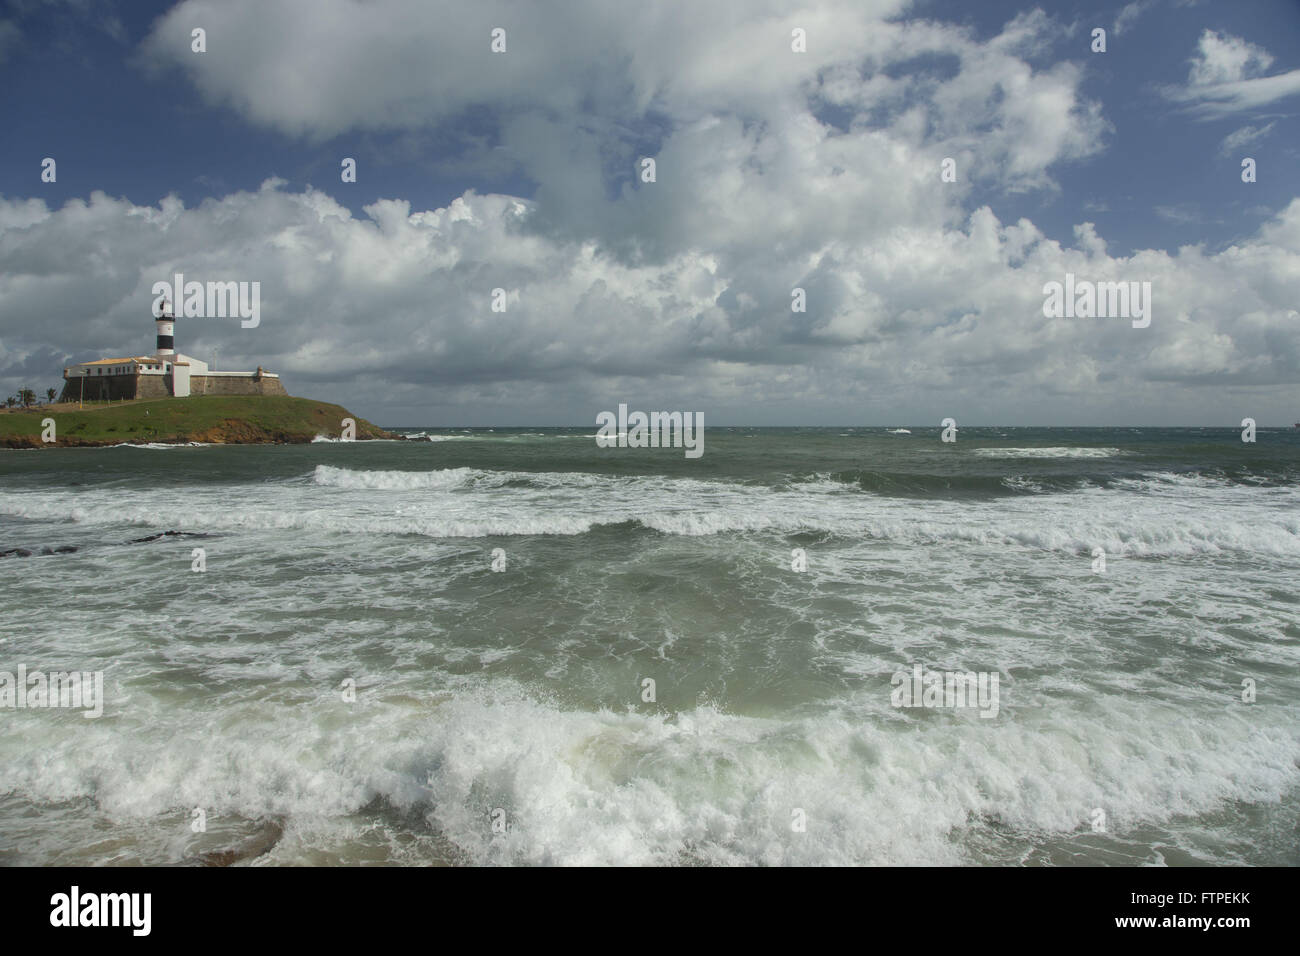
(230, 419)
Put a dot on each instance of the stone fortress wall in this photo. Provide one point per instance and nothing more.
(253, 384)
(118, 387)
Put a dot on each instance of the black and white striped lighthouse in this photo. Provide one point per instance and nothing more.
(166, 323)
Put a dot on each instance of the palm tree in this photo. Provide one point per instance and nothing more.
(27, 397)
(49, 395)
(10, 402)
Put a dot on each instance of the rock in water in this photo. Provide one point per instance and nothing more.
(251, 847)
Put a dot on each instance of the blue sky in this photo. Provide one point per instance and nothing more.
(113, 93)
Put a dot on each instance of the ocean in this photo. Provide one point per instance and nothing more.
(674, 661)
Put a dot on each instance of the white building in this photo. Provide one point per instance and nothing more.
(165, 373)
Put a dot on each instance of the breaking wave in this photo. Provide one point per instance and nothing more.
(1057, 452)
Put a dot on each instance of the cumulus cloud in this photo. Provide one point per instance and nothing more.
(394, 307)
(775, 170)
(582, 86)
(1223, 58)
(1226, 77)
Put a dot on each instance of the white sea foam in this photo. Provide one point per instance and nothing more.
(332, 477)
(635, 789)
(1153, 516)
(1117, 715)
(327, 440)
(1054, 452)
(1021, 483)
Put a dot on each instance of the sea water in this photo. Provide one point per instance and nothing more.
(646, 678)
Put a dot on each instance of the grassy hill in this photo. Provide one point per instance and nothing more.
(231, 419)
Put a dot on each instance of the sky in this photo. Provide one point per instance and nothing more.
(775, 169)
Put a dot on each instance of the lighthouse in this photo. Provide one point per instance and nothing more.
(166, 373)
(166, 323)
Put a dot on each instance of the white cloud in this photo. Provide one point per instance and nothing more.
(392, 310)
(594, 76)
(775, 170)
(1128, 16)
(1246, 136)
(1225, 77)
(1182, 214)
(1223, 58)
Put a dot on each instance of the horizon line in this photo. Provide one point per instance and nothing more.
(834, 425)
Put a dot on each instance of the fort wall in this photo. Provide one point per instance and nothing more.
(251, 384)
(99, 388)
